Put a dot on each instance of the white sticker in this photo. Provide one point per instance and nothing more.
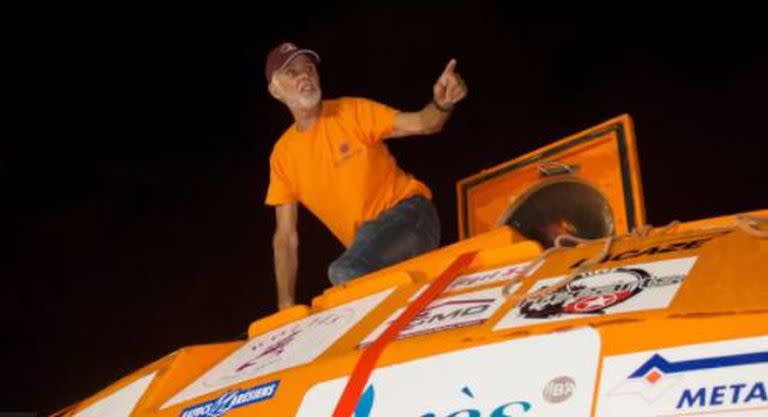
(121, 402)
(291, 345)
(628, 288)
(489, 277)
(447, 313)
(727, 378)
(531, 376)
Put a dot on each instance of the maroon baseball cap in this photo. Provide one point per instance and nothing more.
(282, 54)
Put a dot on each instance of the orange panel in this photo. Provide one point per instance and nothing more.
(603, 158)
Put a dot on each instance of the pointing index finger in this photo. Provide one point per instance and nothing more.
(450, 67)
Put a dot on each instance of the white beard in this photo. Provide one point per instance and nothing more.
(300, 100)
(308, 100)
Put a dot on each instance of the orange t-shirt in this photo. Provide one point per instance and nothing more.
(340, 169)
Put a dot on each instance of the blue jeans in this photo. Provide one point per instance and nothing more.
(408, 229)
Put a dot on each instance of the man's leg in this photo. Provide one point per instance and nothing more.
(406, 230)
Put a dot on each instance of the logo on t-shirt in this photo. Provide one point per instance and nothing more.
(345, 151)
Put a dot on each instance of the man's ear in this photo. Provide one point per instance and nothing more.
(274, 90)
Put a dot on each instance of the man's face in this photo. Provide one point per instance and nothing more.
(298, 84)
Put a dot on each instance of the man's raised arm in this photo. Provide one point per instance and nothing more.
(447, 91)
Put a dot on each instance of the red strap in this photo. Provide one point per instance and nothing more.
(364, 367)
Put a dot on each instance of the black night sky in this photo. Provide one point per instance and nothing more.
(134, 146)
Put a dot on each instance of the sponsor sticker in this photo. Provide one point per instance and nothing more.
(531, 376)
(450, 312)
(231, 400)
(493, 276)
(727, 378)
(291, 345)
(629, 288)
(121, 402)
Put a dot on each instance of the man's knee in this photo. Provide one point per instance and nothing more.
(345, 269)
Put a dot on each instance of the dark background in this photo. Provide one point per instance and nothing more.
(134, 146)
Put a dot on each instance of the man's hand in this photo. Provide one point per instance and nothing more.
(449, 88)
